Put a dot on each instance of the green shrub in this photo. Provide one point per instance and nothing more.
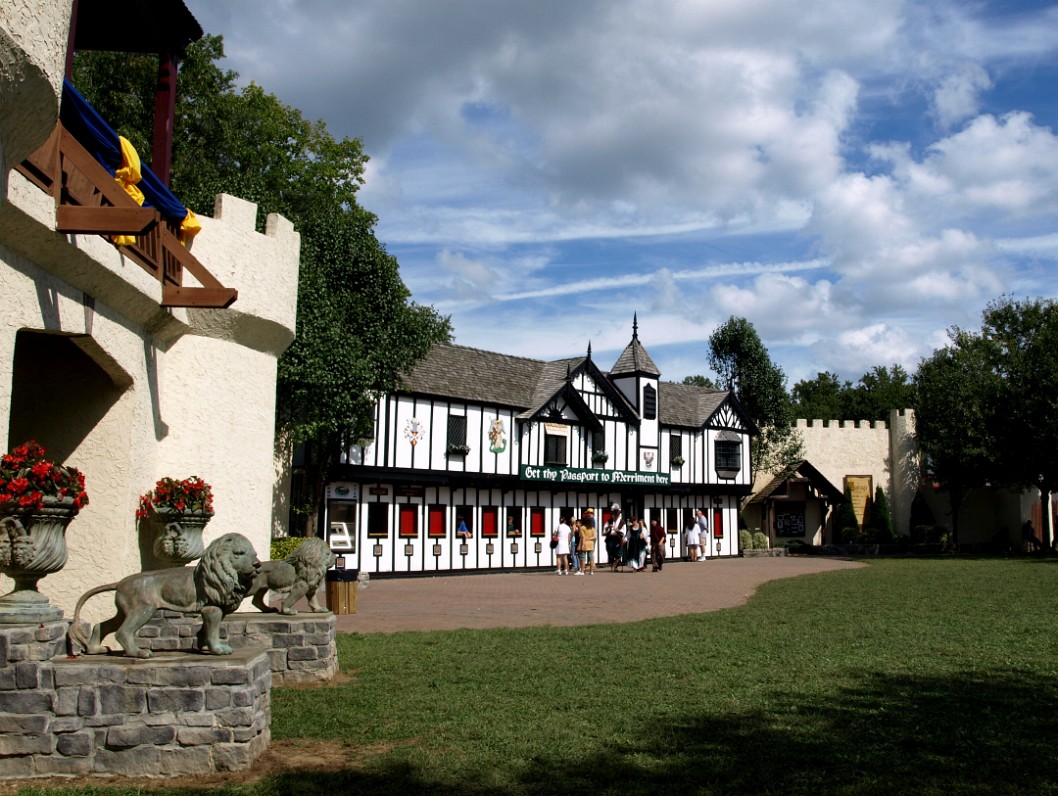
(846, 519)
(883, 517)
(760, 541)
(745, 539)
(929, 534)
(282, 546)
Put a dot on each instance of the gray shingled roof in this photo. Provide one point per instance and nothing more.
(486, 377)
(469, 374)
(687, 405)
(634, 359)
(803, 469)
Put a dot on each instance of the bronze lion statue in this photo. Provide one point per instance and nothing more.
(214, 587)
(298, 575)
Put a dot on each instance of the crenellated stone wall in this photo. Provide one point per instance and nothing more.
(884, 451)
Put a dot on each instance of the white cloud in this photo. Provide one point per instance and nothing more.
(876, 344)
(958, 95)
(825, 168)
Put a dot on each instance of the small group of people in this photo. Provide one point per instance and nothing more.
(627, 543)
(697, 536)
(574, 543)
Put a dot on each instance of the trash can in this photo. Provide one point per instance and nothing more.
(341, 590)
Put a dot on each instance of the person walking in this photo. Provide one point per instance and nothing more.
(657, 545)
(587, 543)
(635, 546)
(562, 534)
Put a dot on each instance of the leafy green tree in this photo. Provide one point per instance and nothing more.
(700, 381)
(986, 408)
(357, 329)
(743, 365)
(955, 393)
(1022, 340)
(822, 398)
(878, 392)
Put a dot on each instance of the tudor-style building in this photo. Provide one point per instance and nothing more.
(511, 444)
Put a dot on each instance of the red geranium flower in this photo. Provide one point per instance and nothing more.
(191, 494)
(27, 478)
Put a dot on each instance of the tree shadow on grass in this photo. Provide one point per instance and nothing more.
(972, 733)
(986, 733)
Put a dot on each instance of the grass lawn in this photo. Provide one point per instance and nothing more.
(908, 676)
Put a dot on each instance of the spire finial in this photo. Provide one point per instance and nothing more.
(635, 326)
(589, 349)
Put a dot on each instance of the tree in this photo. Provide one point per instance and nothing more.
(953, 407)
(822, 398)
(846, 526)
(986, 409)
(741, 361)
(357, 330)
(877, 393)
(880, 519)
(699, 381)
(1022, 338)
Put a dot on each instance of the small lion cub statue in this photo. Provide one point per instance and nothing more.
(298, 575)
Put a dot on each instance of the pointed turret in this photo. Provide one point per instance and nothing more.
(634, 360)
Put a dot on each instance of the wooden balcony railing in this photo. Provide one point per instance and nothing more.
(88, 200)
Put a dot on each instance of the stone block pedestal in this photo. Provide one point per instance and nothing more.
(173, 714)
(301, 648)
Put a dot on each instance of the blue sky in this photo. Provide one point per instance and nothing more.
(852, 176)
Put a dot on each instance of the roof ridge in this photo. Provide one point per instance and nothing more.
(493, 353)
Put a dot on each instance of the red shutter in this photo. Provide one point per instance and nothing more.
(409, 520)
(490, 521)
(536, 522)
(435, 522)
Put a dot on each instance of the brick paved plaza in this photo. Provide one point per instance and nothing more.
(526, 599)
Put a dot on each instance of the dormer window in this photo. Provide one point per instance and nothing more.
(727, 451)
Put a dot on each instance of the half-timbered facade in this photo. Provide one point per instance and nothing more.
(508, 445)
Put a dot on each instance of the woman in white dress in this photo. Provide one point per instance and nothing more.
(693, 541)
(562, 551)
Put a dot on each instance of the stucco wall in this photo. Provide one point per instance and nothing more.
(843, 448)
(887, 453)
(197, 387)
(33, 38)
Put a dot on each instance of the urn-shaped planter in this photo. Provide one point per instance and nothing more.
(175, 513)
(32, 545)
(179, 536)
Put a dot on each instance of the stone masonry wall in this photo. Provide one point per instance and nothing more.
(169, 715)
(301, 649)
